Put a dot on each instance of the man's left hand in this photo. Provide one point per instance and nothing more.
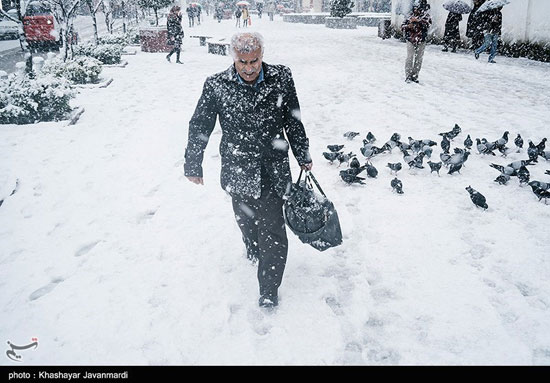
(307, 166)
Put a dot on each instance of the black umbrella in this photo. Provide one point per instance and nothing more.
(492, 4)
(457, 6)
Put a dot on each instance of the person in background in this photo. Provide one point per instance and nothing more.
(451, 38)
(476, 22)
(492, 30)
(238, 14)
(175, 32)
(191, 15)
(246, 15)
(257, 107)
(415, 28)
(198, 11)
(270, 9)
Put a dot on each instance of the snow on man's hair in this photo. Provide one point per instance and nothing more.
(246, 42)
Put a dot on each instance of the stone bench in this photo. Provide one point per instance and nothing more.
(202, 39)
(219, 47)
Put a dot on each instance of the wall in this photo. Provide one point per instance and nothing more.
(522, 20)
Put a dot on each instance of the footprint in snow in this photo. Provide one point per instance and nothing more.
(146, 216)
(257, 320)
(45, 289)
(334, 305)
(86, 249)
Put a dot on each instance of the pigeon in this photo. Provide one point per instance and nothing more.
(502, 179)
(445, 158)
(331, 156)
(343, 157)
(468, 142)
(417, 161)
(351, 178)
(453, 133)
(502, 141)
(372, 172)
(370, 138)
(370, 151)
(395, 137)
(427, 151)
(429, 143)
(532, 151)
(388, 146)
(415, 145)
(351, 135)
(477, 198)
(547, 172)
(445, 144)
(355, 163)
(523, 175)
(540, 189)
(335, 148)
(545, 155)
(506, 170)
(518, 164)
(455, 168)
(490, 145)
(397, 185)
(542, 145)
(395, 167)
(435, 166)
(483, 148)
(504, 150)
(460, 157)
(519, 141)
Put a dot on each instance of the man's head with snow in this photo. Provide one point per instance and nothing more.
(247, 50)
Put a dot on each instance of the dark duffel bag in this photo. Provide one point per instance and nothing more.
(311, 216)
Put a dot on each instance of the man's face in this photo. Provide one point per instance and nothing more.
(249, 65)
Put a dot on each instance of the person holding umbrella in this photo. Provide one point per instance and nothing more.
(492, 28)
(474, 27)
(415, 28)
(246, 16)
(451, 37)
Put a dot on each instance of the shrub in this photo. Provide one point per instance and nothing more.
(25, 100)
(106, 53)
(114, 39)
(340, 8)
(79, 70)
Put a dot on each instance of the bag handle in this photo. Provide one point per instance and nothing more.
(310, 177)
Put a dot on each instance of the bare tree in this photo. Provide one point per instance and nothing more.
(64, 12)
(93, 7)
(108, 6)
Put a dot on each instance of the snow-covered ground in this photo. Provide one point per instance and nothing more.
(110, 256)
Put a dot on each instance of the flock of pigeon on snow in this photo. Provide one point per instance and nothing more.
(415, 150)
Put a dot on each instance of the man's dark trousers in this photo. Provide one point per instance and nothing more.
(263, 228)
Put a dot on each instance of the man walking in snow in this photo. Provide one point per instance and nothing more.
(416, 28)
(257, 106)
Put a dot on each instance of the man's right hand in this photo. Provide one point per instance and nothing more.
(196, 180)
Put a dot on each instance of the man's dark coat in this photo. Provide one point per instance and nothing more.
(254, 124)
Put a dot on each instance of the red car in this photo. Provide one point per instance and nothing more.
(40, 26)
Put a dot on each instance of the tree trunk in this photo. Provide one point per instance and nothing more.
(94, 21)
(156, 18)
(123, 17)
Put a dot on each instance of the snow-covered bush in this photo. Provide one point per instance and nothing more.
(79, 70)
(25, 100)
(106, 53)
(114, 39)
(340, 8)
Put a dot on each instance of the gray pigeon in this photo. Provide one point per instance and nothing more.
(397, 185)
(435, 166)
(395, 167)
(477, 198)
(351, 135)
(350, 177)
(331, 156)
(335, 148)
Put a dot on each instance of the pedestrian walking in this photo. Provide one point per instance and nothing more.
(246, 17)
(415, 28)
(175, 32)
(492, 31)
(475, 25)
(190, 15)
(257, 106)
(238, 14)
(198, 11)
(451, 37)
(270, 9)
